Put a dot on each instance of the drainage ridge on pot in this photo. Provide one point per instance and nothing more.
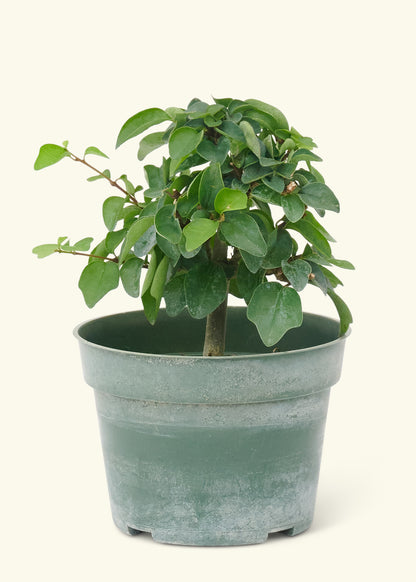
(210, 451)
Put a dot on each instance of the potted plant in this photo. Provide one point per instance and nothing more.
(212, 418)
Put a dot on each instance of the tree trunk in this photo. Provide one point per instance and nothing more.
(214, 344)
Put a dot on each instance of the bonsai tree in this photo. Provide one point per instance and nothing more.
(223, 213)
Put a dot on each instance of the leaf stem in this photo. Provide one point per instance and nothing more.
(115, 259)
(112, 182)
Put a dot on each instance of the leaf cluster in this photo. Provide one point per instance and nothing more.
(228, 165)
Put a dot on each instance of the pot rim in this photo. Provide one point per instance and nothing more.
(78, 336)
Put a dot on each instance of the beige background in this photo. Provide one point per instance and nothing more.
(342, 72)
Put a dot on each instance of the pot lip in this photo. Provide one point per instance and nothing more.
(76, 333)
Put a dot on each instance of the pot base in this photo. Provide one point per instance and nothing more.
(198, 538)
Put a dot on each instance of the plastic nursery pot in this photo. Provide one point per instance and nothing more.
(210, 451)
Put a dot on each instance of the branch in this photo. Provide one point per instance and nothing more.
(112, 182)
(115, 259)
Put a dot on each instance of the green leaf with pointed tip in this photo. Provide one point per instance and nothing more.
(43, 251)
(274, 310)
(137, 229)
(151, 142)
(198, 231)
(232, 130)
(342, 264)
(106, 174)
(211, 183)
(312, 235)
(228, 199)
(183, 141)
(214, 152)
(305, 155)
(293, 207)
(241, 230)
(247, 281)
(319, 279)
(140, 122)
(112, 207)
(319, 196)
(205, 289)
(167, 225)
(97, 279)
(280, 121)
(279, 248)
(343, 312)
(50, 154)
(276, 183)
(130, 276)
(153, 286)
(129, 186)
(83, 244)
(308, 217)
(333, 279)
(250, 138)
(297, 272)
(95, 151)
(174, 295)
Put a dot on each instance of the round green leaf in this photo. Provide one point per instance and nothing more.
(293, 207)
(43, 251)
(97, 279)
(319, 196)
(205, 289)
(274, 310)
(167, 225)
(241, 230)
(198, 231)
(184, 141)
(214, 152)
(174, 295)
(229, 199)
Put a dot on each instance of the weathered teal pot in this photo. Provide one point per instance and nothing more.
(210, 451)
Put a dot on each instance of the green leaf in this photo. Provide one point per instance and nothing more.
(343, 312)
(297, 272)
(146, 242)
(105, 174)
(274, 310)
(97, 279)
(231, 130)
(83, 244)
(137, 229)
(293, 207)
(276, 183)
(305, 155)
(301, 141)
(308, 217)
(255, 172)
(167, 225)
(198, 231)
(130, 276)
(205, 289)
(140, 122)
(111, 211)
(153, 287)
(228, 199)
(43, 251)
(99, 251)
(319, 196)
(113, 239)
(279, 248)
(183, 142)
(170, 250)
(156, 180)
(214, 152)
(94, 151)
(50, 154)
(266, 194)
(342, 264)
(285, 169)
(251, 138)
(129, 186)
(280, 121)
(247, 281)
(333, 279)
(312, 235)
(319, 279)
(174, 295)
(241, 230)
(252, 262)
(151, 142)
(211, 183)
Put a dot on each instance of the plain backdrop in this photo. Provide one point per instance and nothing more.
(343, 73)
